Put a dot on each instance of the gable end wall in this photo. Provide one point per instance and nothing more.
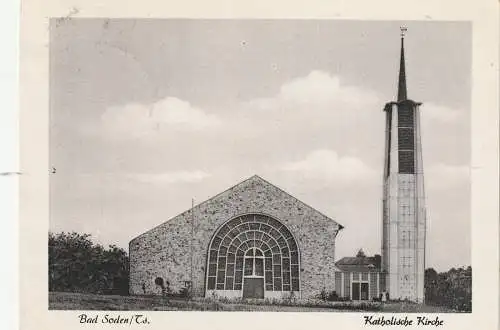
(165, 251)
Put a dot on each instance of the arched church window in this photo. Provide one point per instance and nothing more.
(253, 245)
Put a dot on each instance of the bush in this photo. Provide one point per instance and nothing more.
(186, 291)
(76, 264)
(452, 289)
(290, 298)
(330, 296)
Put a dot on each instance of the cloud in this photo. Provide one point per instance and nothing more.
(328, 165)
(317, 91)
(322, 88)
(309, 110)
(138, 120)
(172, 177)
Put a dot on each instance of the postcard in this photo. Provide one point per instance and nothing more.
(235, 165)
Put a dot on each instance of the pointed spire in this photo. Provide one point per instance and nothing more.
(402, 72)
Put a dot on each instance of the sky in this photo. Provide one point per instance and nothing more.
(146, 115)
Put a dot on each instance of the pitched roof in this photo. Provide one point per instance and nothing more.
(359, 264)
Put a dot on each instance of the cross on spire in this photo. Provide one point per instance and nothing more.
(402, 96)
(403, 31)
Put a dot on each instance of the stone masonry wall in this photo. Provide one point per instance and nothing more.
(165, 251)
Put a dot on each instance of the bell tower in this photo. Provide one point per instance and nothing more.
(404, 209)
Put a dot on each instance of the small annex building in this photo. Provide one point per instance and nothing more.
(359, 277)
(253, 240)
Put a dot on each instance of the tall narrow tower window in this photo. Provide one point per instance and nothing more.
(406, 162)
(406, 139)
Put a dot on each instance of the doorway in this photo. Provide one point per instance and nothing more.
(360, 291)
(364, 291)
(253, 288)
(355, 291)
(253, 282)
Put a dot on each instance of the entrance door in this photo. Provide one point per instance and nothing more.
(253, 288)
(364, 291)
(355, 291)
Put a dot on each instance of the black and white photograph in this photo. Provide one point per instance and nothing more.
(249, 164)
(281, 165)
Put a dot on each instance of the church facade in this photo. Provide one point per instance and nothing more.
(253, 240)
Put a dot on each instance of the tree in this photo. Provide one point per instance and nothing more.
(431, 286)
(452, 288)
(76, 264)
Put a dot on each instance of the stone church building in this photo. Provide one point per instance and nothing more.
(253, 240)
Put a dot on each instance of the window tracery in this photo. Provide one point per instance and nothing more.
(253, 245)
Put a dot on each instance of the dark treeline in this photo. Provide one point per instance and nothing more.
(76, 264)
(452, 289)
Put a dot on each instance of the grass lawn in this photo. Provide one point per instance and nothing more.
(80, 301)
